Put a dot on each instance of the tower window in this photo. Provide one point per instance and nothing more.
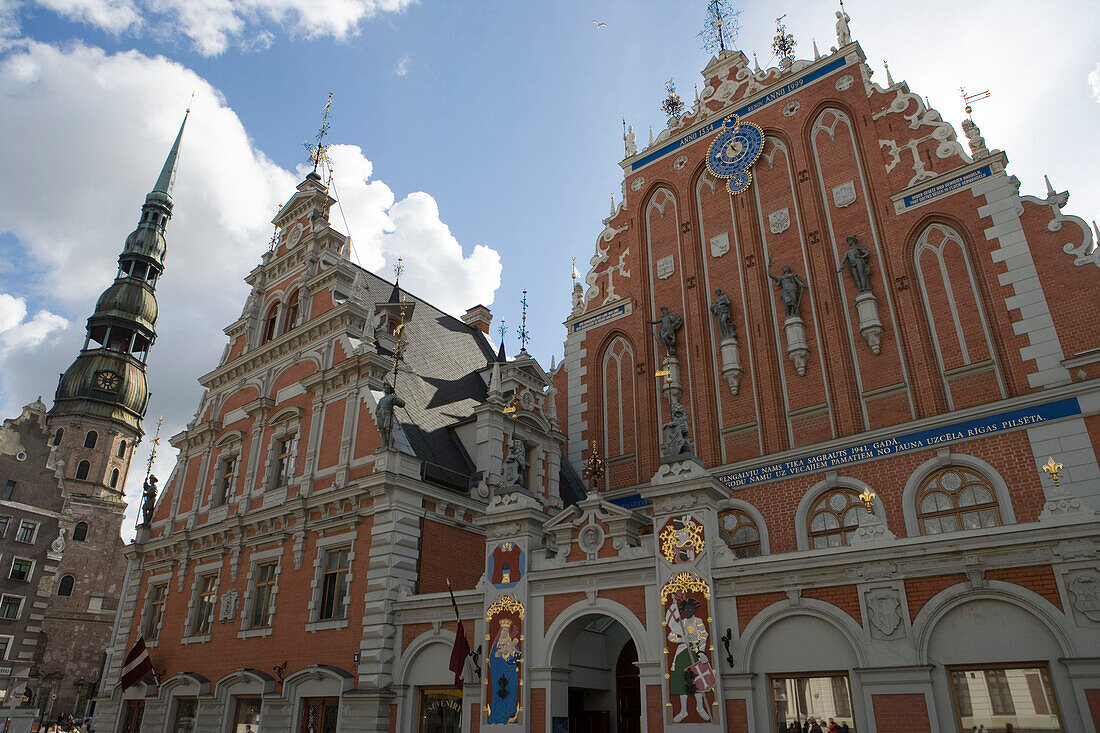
(90, 439)
(291, 312)
(121, 449)
(139, 271)
(82, 470)
(114, 479)
(57, 436)
(80, 532)
(272, 323)
(65, 587)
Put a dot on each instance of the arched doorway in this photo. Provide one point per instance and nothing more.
(597, 689)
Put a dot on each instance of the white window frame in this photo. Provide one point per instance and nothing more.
(7, 647)
(4, 531)
(147, 609)
(202, 571)
(34, 535)
(322, 546)
(19, 611)
(285, 425)
(256, 559)
(30, 573)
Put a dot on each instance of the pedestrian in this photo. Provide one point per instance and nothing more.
(832, 726)
(794, 727)
(811, 726)
(844, 727)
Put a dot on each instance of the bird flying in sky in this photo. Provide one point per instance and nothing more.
(599, 24)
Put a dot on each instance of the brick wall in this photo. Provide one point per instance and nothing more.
(538, 710)
(750, 605)
(901, 713)
(920, 590)
(1093, 699)
(554, 605)
(1037, 578)
(449, 552)
(737, 716)
(841, 596)
(654, 709)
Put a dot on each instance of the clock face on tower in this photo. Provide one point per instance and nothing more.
(107, 380)
(733, 152)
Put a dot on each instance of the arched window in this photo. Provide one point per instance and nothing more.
(121, 449)
(80, 532)
(834, 517)
(271, 325)
(65, 587)
(739, 532)
(90, 439)
(57, 436)
(82, 470)
(291, 312)
(956, 498)
(114, 479)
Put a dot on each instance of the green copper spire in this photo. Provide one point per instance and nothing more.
(167, 178)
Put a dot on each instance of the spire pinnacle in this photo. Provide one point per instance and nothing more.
(167, 179)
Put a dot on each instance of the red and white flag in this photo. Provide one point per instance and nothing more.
(461, 648)
(136, 665)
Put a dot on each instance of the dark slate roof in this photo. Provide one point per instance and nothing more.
(445, 357)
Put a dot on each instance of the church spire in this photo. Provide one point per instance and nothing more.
(167, 180)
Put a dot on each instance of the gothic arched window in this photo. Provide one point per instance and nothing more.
(65, 587)
(834, 517)
(57, 436)
(740, 532)
(90, 439)
(292, 308)
(121, 449)
(80, 532)
(956, 498)
(271, 325)
(82, 470)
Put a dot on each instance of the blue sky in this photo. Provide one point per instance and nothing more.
(484, 130)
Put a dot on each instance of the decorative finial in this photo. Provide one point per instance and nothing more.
(399, 333)
(783, 44)
(673, 106)
(502, 329)
(319, 153)
(397, 270)
(190, 103)
(524, 337)
(593, 468)
(969, 99)
(755, 63)
(612, 204)
(889, 77)
(867, 497)
(1054, 469)
(720, 26)
(817, 54)
(576, 272)
(1050, 188)
(153, 452)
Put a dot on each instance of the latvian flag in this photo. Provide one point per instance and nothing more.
(136, 665)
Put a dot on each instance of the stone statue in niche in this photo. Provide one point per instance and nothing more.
(384, 416)
(843, 33)
(515, 463)
(721, 310)
(668, 324)
(790, 288)
(148, 500)
(675, 431)
(856, 260)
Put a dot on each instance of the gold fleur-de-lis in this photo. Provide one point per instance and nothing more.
(867, 497)
(1053, 468)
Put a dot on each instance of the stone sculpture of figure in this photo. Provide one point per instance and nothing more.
(515, 463)
(384, 417)
(676, 441)
(148, 500)
(631, 144)
(856, 260)
(58, 545)
(790, 288)
(721, 310)
(669, 324)
(843, 34)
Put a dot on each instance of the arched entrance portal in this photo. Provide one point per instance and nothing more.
(596, 686)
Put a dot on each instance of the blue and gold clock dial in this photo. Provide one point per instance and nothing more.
(734, 152)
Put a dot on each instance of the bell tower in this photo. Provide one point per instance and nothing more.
(102, 397)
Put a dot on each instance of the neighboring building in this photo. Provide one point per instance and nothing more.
(63, 509)
(825, 479)
(33, 505)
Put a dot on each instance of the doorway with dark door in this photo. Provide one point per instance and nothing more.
(603, 688)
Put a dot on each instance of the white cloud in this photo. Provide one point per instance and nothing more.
(113, 16)
(1094, 81)
(129, 106)
(402, 65)
(214, 25)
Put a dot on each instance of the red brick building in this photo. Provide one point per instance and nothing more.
(824, 353)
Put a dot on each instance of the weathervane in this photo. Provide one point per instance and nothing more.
(969, 99)
(784, 42)
(399, 334)
(154, 442)
(523, 336)
(502, 329)
(720, 27)
(319, 153)
(397, 270)
(149, 486)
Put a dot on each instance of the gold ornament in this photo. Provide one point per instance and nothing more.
(670, 543)
(506, 602)
(685, 583)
